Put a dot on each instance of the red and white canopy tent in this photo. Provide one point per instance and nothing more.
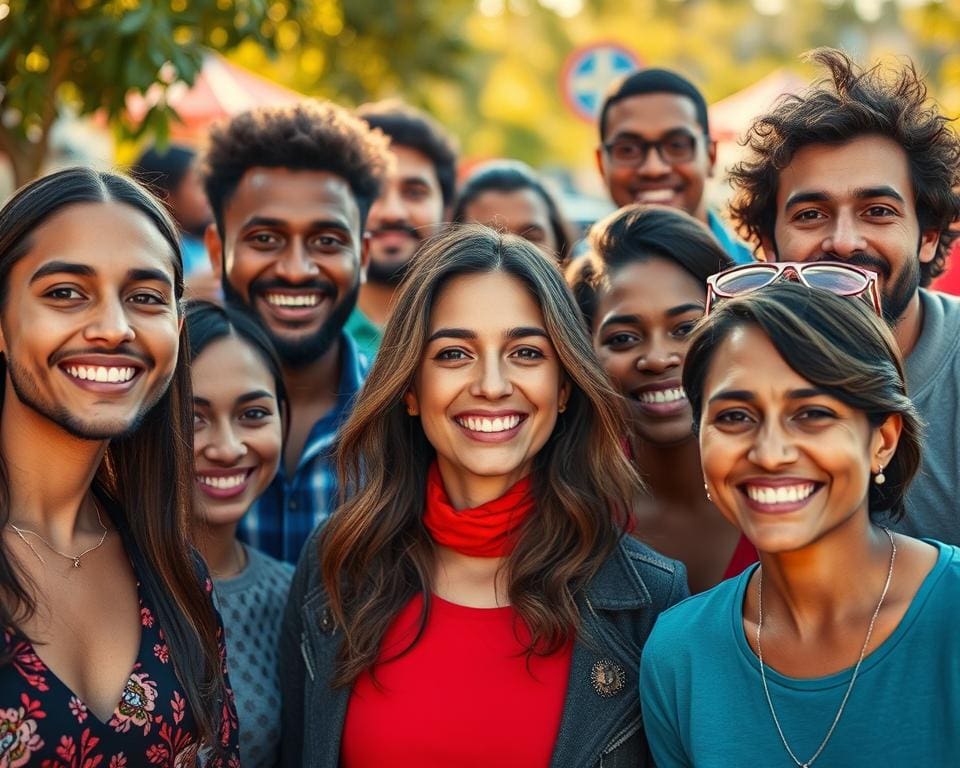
(730, 117)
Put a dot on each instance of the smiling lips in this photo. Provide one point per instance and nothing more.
(660, 196)
(779, 498)
(665, 399)
(490, 428)
(224, 485)
(101, 373)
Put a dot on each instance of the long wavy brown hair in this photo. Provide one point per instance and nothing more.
(376, 553)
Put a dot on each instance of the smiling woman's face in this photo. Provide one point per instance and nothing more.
(489, 385)
(784, 461)
(642, 322)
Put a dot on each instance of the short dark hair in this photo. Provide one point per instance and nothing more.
(852, 102)
(637, 233)
(161, 171)
(409, 127)
(653, 80)
(838, 345)
(207, 323)
(310, 136)
(509, 176)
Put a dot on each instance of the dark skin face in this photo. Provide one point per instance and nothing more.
(521, 212)
(294, 253)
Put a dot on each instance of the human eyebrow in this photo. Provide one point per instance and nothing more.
(62, 267)
(681, 309)
(620, 320)
(256, 394)
(801, 394)
(452, 333)
(524, 332)
(201, 401)
(734, 394)
(800, 198)
(866, 193)
(142, 275)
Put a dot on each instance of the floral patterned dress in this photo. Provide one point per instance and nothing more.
(44, 724)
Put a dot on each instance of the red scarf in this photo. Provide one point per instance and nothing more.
(484, 531)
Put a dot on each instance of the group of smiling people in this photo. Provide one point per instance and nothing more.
(537, 472)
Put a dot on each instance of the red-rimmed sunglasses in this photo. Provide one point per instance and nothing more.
(834, 276)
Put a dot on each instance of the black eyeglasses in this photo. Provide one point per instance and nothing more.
(676, 146)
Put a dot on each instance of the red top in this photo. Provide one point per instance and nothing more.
(744, 555)
(464, 695)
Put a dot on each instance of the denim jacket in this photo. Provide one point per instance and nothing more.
(601, 723)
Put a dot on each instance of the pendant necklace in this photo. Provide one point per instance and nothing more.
(75, 559)
(853, 677)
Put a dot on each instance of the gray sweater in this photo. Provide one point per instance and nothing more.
(933, 382)
(251, 605)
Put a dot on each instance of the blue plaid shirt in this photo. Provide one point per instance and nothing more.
(283, 517)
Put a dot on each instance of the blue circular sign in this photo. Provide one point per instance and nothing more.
(588, 72)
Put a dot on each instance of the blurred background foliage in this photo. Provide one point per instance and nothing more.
(488, 69)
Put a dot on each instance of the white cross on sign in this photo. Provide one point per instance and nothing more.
(588, 72)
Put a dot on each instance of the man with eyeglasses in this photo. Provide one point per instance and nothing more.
(655, 148)
(861, 169)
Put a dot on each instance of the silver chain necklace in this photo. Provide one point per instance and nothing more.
(856, 669)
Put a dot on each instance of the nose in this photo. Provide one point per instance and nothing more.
(658, 357)
(110, 324)
(224, 445)
(492, 382)
(845, 239)
(295, 264)
(388, 207)
(773, 447)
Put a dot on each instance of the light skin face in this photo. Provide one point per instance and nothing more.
(854, 202)
(678, 185)
(642, 323)
(294, 253)
(520, 212)
(408, 210)
(489, 386)
(237, 429)
(90, 328)
(784, 461)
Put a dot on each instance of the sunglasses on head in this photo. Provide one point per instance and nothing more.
(834, 276)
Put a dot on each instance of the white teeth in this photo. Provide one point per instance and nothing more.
(293, 300)
(663, 395)
(780, 495)
(479, 424)
(654, 196)
(223, 483)
(101, 373)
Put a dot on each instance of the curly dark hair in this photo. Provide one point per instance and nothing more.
(311, 136)
(409, 127)
(849, 103)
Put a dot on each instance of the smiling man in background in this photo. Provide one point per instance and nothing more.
(290, 191)
(655, 148)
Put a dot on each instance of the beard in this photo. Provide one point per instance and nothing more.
(298, 352)
(897, 292)
(27, 390)
(392, 272)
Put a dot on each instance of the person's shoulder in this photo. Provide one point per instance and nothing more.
(634, 575)
(945, 305)
(269, 568)
(645, 557)
(700, 613)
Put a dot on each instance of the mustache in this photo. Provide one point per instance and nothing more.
(865, 260)
(396, 226)
(265, 285)
(59, 356)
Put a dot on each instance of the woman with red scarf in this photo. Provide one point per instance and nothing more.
(475, 600)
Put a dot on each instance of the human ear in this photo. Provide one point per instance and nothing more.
(929, 241)
(886, 437)
(214, 246)
(412, 403)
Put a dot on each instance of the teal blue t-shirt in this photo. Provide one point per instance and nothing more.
(703, 701)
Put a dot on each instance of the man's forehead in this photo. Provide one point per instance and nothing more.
(286, 193)
(651, 112)
(847, 171)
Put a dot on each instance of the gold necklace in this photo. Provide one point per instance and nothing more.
(856, 669)
(74, 558)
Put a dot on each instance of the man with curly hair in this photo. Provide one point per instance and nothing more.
(290, 190)
(861, 168)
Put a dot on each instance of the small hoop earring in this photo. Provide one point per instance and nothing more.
(562, 408)
(880, 478)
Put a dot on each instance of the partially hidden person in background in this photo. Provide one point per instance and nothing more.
(290, 190)
(808, 442)
(239, 409)
(507, 195)
(476, 600)
(112, 649)
(642, 289)
(655, 148)
(862, 168)
(413, 204)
